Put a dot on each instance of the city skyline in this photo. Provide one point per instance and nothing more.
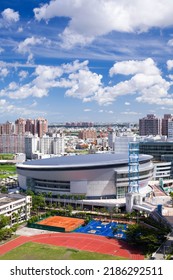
(66, 61)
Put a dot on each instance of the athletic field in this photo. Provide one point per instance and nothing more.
(77, 241)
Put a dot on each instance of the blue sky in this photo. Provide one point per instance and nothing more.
(78, 60)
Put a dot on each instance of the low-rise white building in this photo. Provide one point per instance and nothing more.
(162, 170)
(15, 206)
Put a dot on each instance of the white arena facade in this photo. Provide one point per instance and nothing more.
(95, 176)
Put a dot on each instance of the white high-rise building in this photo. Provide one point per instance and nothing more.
(121, 144)
(45, 145)
(111, 139)
(32, 145)
(58, 145)
(170, 128)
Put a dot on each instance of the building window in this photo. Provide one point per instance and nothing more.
(121, 191)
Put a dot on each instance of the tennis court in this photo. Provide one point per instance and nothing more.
(108, 229)
(66, 223)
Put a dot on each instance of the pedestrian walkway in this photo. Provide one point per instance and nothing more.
(165, 249)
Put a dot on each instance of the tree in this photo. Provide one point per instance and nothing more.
(147, 239)
(69, 209)
(50, 196)
(38, 201)
(29, 192)
(4, 189)
(4, 221)
(15, 217)
(58, 197)
(171, 195)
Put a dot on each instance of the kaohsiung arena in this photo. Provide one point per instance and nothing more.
(95, 176)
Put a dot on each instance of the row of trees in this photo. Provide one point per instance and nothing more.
(46, 200)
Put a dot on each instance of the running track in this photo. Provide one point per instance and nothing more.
(80, 241)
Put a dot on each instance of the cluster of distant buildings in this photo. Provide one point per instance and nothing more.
(22, 126)
(79, 124)
(12, 135)
(34, 138)
(153, 125)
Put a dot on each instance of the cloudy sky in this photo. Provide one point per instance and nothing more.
(78, 60)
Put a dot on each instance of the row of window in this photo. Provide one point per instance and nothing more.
(52, 181)
(53, 188)
(126, 175)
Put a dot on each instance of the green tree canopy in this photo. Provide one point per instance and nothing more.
(4, 221)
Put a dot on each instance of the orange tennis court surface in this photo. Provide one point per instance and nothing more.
(79, 241)
(69, 224)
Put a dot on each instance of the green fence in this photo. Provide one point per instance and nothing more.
(44, 227)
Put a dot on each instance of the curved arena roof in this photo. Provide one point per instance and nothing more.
(91, 160)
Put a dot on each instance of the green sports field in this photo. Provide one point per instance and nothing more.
(36, 251)
(7, 170)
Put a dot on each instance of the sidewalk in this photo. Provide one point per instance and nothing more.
(164, 249)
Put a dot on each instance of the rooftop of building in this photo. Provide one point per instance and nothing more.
(83, 160)
(8, 198)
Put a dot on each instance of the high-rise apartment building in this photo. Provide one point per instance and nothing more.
(40, 126)
(45, 145)
(121, 143)
(150, 125)
(170, 128)
(32, 145)
(6, 128)
(58, 145)
(29, 127)
(165, 120)
(20, 126)
(12, 143)
(111, 139)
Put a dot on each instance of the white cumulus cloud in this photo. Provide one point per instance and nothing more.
(170, 43)
(25, 47)
(90, 19)
(170, 64)
(23, 74)
(132, 67)
(3, 70)
(10, 16)
(84, 84)
(143, 80)
(146, 82)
